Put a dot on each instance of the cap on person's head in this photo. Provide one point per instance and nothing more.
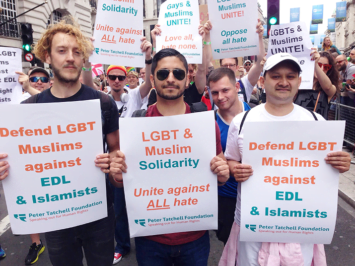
(247, 61)
(276, 59)
(39, 70)
(112, 67)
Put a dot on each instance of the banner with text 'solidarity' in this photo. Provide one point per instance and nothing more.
(118, 32)
(169, 186)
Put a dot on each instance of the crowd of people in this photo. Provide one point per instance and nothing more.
(263, 90)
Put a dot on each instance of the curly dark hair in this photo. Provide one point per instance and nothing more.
(332, 73)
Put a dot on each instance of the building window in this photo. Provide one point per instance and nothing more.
(159, 2)
(11, 28)
(55, 17)
(143, 8)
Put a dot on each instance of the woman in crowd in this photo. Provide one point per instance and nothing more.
(325, 85)
(328, 44)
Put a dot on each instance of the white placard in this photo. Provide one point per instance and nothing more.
(292, 195)
(234, 28)
(179, 21)
(169, 186)
(53, 182)
(293, 38)
(118, 30)
(10, 88)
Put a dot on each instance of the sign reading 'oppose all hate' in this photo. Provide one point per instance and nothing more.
(234, 28)
(53, 182)
(169, 186)
(299, 190)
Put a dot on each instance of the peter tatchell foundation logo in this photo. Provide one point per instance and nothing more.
(252, 227)
(22, 217)
(97, 50)
(140, 222)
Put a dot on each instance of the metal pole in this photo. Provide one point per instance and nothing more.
(45, 2)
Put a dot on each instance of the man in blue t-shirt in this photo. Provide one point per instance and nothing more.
(224, 90)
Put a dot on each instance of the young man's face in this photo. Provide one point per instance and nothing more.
(169, 88)
(115, 84)
(37, 83)
(66, 58)
(224, 93)
(281, 83)
(132, 80)
(230, 63)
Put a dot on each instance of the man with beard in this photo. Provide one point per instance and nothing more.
(169, 70)
(343, 67)
(65, 47)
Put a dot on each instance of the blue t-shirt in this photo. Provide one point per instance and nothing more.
(229, 189)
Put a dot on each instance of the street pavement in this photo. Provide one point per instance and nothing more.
(341, 252)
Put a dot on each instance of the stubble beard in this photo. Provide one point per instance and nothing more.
(63, 79)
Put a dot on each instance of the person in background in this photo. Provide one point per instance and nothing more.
(352, 56)
(132, 78)
(325, 85)
(247, 66)
(35, 82)
(142, 73)
(343, 66)
(97, 83)
(328, 44)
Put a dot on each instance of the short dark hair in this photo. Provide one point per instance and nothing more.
(220, 73)
(235, 58)
(166, 53)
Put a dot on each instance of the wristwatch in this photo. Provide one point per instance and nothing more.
(148, 62)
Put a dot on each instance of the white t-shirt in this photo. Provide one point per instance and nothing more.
(234, 148)
(134, 103)
(25, 96)
(248, 88)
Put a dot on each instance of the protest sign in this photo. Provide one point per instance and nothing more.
(118, 30)
(10, 89)
(179, 21)
(203, 13)
(295, 14)
(234, 28)
(340, 12)
(97, 70)
(298, 190)
(313, 29)
(265, 31)
(169, 186)
(331, 24)
(317, 14)
(293, 38)
(53, 182)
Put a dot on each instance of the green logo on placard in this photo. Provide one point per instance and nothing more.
(252, 227)
(140, 222)
(217, 50)
(22, 217)
(97, 50)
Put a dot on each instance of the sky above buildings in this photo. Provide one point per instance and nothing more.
(305, 6)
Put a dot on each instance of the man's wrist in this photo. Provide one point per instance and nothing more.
(149, 61)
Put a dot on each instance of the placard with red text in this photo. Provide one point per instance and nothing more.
(118, 30)
(53, 182)
(169, 186)
(179, 21)
(292, 195)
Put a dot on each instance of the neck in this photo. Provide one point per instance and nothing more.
(117, 95)
(230, 113)
(279, 109)
(64, 89)
(171, 107)
(133, 86)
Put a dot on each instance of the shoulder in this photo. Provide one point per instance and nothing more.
(306, 115)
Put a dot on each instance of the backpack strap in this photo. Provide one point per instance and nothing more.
(315, 117)
(106, 104)
(139, 113)
(242, 123)
(215, 115)
(198, 107)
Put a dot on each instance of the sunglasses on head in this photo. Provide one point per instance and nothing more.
(42, 79)
(326, 67)
(114, 77)
(178, 73)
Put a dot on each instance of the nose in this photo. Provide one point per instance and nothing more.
(70, 56)
(283, 81)
(171, 77)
